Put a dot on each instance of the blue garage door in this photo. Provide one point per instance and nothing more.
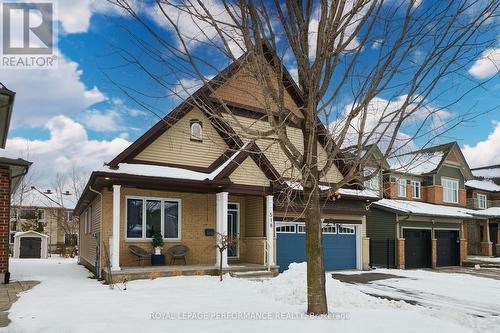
(339, 246)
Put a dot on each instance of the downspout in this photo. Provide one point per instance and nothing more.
(100, 233)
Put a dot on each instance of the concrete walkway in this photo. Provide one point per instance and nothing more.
(9, 294)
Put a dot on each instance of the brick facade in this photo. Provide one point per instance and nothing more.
(4, 220)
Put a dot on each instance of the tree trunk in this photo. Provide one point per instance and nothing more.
(220, 267)
(316, 293)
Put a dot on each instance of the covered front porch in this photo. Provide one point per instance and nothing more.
(199, 217)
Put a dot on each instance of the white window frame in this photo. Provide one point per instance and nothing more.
(88, 220)
(484, 200)
(445, 188)
(351, 228)
(193, 137)
(414, 185)
(400, 182)
(372, 183)
(301, 228)
(162, 200)
(286, 225)
(329, 226)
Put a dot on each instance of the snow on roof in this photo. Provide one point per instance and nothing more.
(342, 191)
(35, 198)
(486, 185)
(417, 163)
(493, 172)
(169, 172)
(422, 208)
(490, 212)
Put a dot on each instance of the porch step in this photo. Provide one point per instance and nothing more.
(483, 264)
(253, 274)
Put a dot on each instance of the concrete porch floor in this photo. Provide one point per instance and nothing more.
(153, 272)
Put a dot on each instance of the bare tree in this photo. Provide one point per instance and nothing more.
(223, 243)
(377, 72)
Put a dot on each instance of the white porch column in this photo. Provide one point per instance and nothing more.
(115, 253)
(270, 230)
(221, 224)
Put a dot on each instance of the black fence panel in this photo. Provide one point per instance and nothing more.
(383, 253)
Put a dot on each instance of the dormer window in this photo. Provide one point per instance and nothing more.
(196, 130)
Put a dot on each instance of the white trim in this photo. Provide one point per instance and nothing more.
(162, 218)
(340, 225)
(270, 231)
(359, 249)
(221, 201)
(115, 249)
(238, 213)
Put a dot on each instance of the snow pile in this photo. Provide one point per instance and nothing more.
(489, 173)
(489, 212)
(487, 185)
(422, 208)
(417, 163)
(342, 191)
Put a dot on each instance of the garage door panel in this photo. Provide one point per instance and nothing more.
(448, 247)
(418, 248)
(339, 250)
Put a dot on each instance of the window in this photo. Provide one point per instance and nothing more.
(196, 130)
(482, 201)
(415, 184)
(346, 230)
(286, 229)
(31, 214)
(372, 183)
(301, 229)
(450, 190)
(69, 215)
(146, 216)
(329, 229)
(402, 188)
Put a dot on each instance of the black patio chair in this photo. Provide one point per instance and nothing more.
(178, 252)
(140, 253)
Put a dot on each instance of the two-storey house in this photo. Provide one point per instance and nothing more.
(193, 176)
(483, 195)
(419, 223)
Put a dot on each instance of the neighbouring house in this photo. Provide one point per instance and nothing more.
(12, 170)
(491, 172)
(48, 212)
(420, 221)
(483, 195)
(192, 176)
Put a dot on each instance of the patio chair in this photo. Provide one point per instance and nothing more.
(140, 253)
(178, 252)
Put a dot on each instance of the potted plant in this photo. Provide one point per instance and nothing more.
(157, 242)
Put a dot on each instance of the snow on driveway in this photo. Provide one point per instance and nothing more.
(67, 300)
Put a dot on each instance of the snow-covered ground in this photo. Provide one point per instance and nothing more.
(485, 259)
(68, 301)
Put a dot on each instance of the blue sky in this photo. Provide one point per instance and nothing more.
(75, 116)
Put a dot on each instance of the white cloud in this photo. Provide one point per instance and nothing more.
(67, 147)
(382, 117)
(44, 93)
(195, 30)
(487, 65)
(75, 15)
(486, 152)
(186, 87)
(377, 44)
(103, 121)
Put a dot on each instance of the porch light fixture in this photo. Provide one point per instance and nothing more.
(6, 104)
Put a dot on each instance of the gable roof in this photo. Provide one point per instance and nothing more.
(428, 160)
(222, 127)
(376, 154)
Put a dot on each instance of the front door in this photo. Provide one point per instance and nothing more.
(494, 238)
(233, 221)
